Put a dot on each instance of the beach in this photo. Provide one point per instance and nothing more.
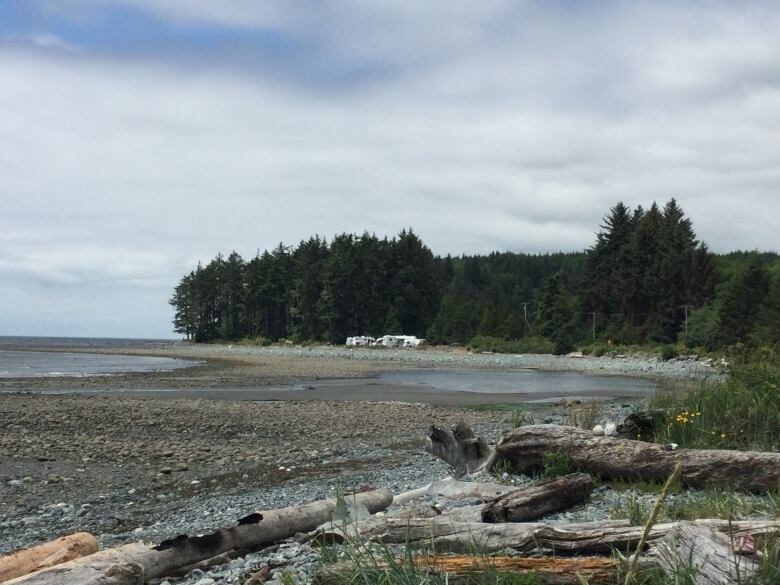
(149, 455)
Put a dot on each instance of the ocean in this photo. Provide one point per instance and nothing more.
(18, 363)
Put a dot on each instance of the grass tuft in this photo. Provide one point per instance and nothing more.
(740, 412)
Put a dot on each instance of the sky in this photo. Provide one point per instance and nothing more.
(141, 136)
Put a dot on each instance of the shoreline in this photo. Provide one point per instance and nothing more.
(152, 455)
(234, 367)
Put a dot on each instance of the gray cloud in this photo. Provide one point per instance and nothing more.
(501, 126)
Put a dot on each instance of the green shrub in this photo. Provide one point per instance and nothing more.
(500, 345)
(741, 411)
(556, 464)
(668, 352)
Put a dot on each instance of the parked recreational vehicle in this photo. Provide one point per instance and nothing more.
(361, 341)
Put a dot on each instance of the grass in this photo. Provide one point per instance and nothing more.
(741, 411)
(585, 415)
(556, 465)
(692, 505)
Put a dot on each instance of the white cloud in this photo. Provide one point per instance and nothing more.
(509, 128)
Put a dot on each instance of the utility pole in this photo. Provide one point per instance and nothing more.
(686, 321)
(525, 317)
(593, 314)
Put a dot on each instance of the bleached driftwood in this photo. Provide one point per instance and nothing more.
(703, 552)
(456, 490)
(49, 554)
(446, 534)
(464, 452)
(251, 533)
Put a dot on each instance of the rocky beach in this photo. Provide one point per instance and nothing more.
(147, 456)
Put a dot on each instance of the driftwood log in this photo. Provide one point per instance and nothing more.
(446, 534)
(526, 448)
(708, 555)
(456, 490)
(251, 533)
(532, 502)
(464, 452)
(470, 570)
(47, 555)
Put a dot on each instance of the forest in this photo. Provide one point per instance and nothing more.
(646, 279)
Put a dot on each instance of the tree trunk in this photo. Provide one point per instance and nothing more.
(464, 452)
(47, 555)
(446, 534)
(535, 501)
(251, 533)
(703, 552)
(471, 570)
(527, 447)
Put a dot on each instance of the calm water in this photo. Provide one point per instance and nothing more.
(66, 342)
(35, 364)
(527, 382)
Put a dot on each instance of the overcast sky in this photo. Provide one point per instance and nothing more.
(140, 136)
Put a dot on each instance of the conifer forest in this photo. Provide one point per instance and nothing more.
(647, 278)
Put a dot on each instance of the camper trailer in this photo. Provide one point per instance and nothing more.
(361, 341)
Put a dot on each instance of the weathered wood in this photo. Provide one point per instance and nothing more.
(251, 533)
(456, 490)
(532, 502)
(464, 452)
(470, 570)
(94, 573)
(704, 553)
(259, 577)
(207, 564)
(47, 555)
(449, 535)
(525, 448)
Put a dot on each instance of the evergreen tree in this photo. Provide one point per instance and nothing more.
(309, 260)
(555, 314)
(743, 302)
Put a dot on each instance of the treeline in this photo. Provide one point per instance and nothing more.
(647, 278)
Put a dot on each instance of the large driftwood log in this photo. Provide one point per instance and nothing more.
(464, 452)
(251, 533)
(526, 448)
(705, 553)
(446, 534)
(46, 555)
(470, 570)
(532, 502)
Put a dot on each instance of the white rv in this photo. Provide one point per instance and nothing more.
(361, 341)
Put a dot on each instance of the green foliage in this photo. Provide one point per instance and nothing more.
(695, 505)
(556, 464)
(633, 284)
(668, 352)
(632, 507)
(499, 345)
(643, 268)
(740, 412)
(743, 303)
